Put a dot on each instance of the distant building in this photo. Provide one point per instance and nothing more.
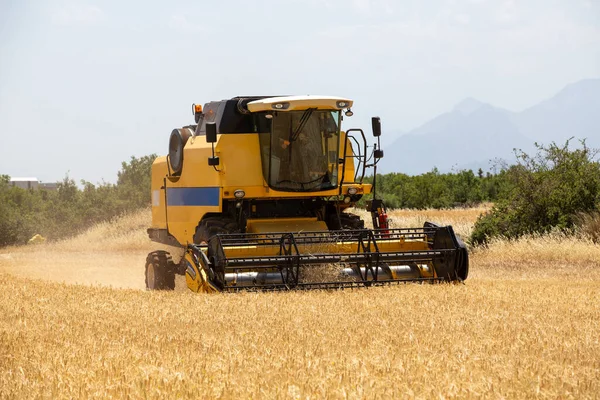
(33, 183)
(25, 183)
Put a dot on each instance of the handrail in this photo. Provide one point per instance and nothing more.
(361, 157)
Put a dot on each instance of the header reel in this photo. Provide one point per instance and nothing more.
(349, 258)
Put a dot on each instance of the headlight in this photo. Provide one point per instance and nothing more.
(352, 191)
(342, 104)
(239, 194)
(281, 106)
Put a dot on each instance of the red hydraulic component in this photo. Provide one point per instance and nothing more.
(383, 224)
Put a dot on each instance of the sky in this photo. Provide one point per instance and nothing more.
(85, 85)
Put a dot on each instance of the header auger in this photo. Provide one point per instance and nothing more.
(255, 196)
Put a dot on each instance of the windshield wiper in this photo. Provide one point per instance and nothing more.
(303, 120)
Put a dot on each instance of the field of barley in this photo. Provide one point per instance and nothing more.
(75, 322)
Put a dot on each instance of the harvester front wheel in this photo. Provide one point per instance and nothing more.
(211, 226)
(206, 229)
(160, 271)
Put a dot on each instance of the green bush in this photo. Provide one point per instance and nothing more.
(437, 190)
(69, 210)
(549, 189)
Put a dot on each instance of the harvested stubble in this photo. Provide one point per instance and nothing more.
(461, 219)
(526, 324)
(321, 273)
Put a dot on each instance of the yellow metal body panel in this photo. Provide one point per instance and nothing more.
(198, 282)
(183, 221)
(196, 171)
(159, 172)
(285, 225)
(196, 279)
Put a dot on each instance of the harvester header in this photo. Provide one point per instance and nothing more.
(256, 194)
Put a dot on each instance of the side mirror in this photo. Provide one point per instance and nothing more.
(211, 137)
(211, 132)
(376, 123)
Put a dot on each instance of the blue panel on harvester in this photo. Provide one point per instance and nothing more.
(193, 196)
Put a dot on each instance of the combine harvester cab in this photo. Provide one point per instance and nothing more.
(255, 197)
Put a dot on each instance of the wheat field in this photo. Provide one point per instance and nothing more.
(75, 324)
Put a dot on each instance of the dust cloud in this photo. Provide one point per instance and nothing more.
(109, 254)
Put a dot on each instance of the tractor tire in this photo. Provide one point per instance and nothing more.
(211, 226)
(160, 271)
(206, 229)
(348, 222)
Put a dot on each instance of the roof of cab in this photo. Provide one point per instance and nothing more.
(300, 103)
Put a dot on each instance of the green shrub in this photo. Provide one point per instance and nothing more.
(69, 210)
(548, 190)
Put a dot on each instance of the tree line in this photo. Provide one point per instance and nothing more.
(70, 209)
(440, 190)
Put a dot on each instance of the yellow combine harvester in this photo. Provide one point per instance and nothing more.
(255, 195)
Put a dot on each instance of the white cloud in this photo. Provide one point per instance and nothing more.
(181, 23)
(507, 13)
(371, 7)
(78, 14)
(462, 19)
(362, 6)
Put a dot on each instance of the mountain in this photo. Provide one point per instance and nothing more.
(574, 111)
(474, 134)
(468, 106)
